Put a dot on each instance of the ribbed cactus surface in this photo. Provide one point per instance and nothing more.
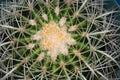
(58, 40)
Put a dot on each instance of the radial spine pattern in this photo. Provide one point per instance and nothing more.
(58, 40)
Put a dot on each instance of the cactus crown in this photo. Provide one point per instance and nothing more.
(58, 40)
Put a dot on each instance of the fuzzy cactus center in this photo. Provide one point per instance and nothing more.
(55, 39)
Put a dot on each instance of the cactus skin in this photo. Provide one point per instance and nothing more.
(58, 40)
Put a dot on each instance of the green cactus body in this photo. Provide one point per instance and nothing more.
(58, 40)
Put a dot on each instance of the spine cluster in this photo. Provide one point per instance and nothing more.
(58, 40)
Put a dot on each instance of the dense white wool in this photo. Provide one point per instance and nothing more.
(41, 56)
(73, 28)
(57, 10)
(36, 36)
(62, 21)
(45, 17)
(55, 39)
(30, 46)
(85, 34)
(69, 2)
(75, 14)
(76, 52)
(21, 29)
(32, 22)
